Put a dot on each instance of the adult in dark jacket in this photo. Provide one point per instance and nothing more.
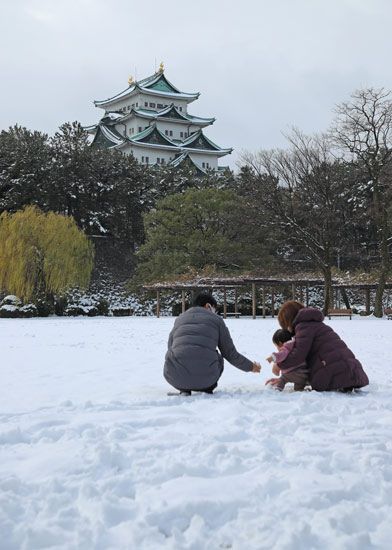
(332, 365)
(192, 360)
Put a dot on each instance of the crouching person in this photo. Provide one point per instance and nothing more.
(198, 343)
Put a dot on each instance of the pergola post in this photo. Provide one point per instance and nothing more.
(307, 295)
(301, 294)
(293, 291)
(158, 303)
(253, 300)
(263, 298)
(183, 300)
(367, 300)
(273, 303)
(224, 303)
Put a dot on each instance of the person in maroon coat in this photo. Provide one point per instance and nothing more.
(332, 365)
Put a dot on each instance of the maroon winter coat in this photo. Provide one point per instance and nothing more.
(332, 365)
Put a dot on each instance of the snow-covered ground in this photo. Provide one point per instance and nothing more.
(94, 455)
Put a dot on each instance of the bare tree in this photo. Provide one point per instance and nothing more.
(363, 129)
(305, 191)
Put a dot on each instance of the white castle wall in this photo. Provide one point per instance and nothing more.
(203, 160)
(145, 101)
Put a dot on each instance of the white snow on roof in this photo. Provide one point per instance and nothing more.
(111, 136)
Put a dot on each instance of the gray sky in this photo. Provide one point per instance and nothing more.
(261, 66)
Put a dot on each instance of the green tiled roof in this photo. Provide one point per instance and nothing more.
(199, 141)
(152, 135)
(186, 160)
(156, 83)
(162, 85)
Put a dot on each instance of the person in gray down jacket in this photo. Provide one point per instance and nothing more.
(193, 361)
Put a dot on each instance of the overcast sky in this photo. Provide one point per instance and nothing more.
(261, 66)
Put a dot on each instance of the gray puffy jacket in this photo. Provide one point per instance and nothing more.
(192, 361)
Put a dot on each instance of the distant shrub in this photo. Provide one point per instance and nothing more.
(102, 307)
(60, 305)
(12, 308)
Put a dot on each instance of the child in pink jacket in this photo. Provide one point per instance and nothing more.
(298, 375)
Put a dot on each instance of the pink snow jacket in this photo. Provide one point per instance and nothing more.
(279, 356)
(332, 365)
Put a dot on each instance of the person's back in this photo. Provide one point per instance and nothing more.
(192, 360)
(332, 365)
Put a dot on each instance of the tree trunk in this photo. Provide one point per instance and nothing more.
(327, 289)
(378, 310)
(382, 223)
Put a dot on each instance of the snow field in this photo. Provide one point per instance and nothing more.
(94, 455)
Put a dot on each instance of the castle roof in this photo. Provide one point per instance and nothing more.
(170, 112)
(185, 160)
(108, 136)
(155, 85)
(199, 141)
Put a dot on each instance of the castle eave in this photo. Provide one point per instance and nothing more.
(137, 88)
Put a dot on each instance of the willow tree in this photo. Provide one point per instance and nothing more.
(42, 254)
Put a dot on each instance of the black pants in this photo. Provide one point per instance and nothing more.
(210, 389)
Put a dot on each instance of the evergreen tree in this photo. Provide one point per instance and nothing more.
(195, 230)
(25, 167)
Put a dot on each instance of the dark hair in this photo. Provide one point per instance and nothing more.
(281, 336)
(204, 298)
(288, 312)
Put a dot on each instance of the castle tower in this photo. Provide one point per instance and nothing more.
(150, 120)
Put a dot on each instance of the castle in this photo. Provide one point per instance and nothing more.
(150, 120)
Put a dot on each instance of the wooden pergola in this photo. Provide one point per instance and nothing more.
(299, 290)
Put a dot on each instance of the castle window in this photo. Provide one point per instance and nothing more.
(180, 108)
(146, 103)
(152, 105)
(160, 106)
(203, 164)
(137, 104)
(171, 133)
(181, 134)
(166, 133)
(147, 160)
(140, 128)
